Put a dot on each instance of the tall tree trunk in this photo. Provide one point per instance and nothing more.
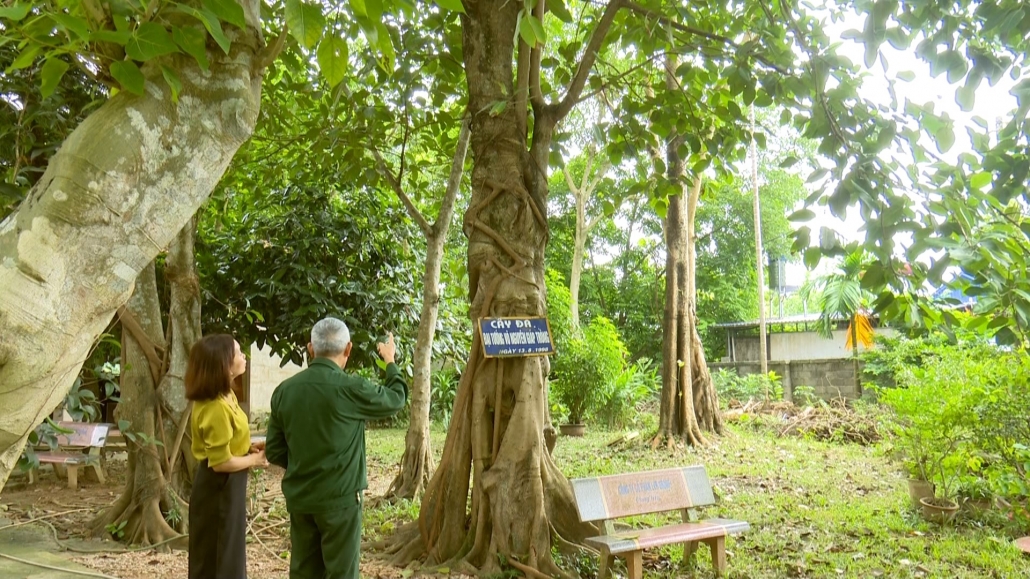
(120, 187)
(417, 462)
(581, 193)
(138, 516)
(689, 403)
(183, 331)
(497, 432)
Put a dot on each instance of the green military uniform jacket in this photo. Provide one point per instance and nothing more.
(316, 431)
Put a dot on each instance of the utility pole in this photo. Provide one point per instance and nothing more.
(762, 338)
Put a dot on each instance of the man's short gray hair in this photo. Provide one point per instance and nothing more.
(329, 337)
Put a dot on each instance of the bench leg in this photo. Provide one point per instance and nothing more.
(635, 564)
(99, 472)
(718, 546)
(73, 476)
(689, 550)
(59, 470)
(606, 564)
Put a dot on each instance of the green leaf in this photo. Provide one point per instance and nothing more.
(53, 69)
(211, 23)
(173, 82)
(812, 257)
(193, 42)
(150, 41)
(980, 180)
(965, 96)
(945, 137)
(538, 29)
(26, 58)
(112, 36)
(802, 215)
(129, 76)
(452, 5)
(305, 21)
(560, 11)
(359, 8)
(526, 31)
(873, 277)
(227, 11)
(15, 13)
(332, 59)
(907, 75)
(77, 26)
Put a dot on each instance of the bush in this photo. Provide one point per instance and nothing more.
(960, 419)
(444, 385)
(619, 404)
(587, 366)
(730, 386)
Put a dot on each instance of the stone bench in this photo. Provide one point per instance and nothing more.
(678, 489)
(80, 447)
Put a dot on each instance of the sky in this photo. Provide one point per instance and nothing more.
(990, 102)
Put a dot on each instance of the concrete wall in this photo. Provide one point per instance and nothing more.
(830, 378)
(799, 345)
(265, 375)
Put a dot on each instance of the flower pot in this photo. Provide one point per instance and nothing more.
(938, 510)
(573, 429)
(977, 506)
(919, 489)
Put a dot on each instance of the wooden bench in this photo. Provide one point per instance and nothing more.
(80, 447)
(611, 497)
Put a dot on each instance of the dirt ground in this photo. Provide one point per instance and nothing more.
(70, 512)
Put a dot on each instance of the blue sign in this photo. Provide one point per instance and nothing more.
(515, 337)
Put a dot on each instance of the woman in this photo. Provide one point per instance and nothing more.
(221, 442)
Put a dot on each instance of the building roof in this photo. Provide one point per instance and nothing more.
(796, 319)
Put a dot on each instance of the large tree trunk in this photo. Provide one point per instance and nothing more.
(689, 405)
(139, 515)
(417, 462)
(497, 432)
(121, 186)
(183, 331)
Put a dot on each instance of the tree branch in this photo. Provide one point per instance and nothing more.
(698, 32)
(413, 211)
(536, 95)
(443, 218)
(522, 73)
(589, 56)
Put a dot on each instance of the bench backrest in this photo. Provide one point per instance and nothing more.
(640, 493)
(85, 434)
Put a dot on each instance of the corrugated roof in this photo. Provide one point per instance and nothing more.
(796, 319)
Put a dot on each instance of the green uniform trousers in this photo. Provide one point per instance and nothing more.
(326, 545)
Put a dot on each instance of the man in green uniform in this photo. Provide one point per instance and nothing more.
(316, 431)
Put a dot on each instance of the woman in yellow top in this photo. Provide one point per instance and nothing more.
(221, 442)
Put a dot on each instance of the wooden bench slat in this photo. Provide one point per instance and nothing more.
(638, 539)
(641, 493)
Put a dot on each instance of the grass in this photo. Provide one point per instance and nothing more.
(816, 509)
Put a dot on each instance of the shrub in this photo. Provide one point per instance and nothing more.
(619, 403)
(587, 366)
(444, 385)
(960, 420)
(730, 386)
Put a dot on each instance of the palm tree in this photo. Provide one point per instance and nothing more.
(841, 297)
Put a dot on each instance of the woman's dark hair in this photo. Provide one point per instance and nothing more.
(209, 367)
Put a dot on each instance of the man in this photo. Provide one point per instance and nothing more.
(316, 431)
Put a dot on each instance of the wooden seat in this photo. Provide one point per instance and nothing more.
(80, 447)
(681, 489)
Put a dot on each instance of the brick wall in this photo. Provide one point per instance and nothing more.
(830, 378)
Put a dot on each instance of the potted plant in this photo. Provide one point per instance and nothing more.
(945, 465)
(914, 456)
(583, 369)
